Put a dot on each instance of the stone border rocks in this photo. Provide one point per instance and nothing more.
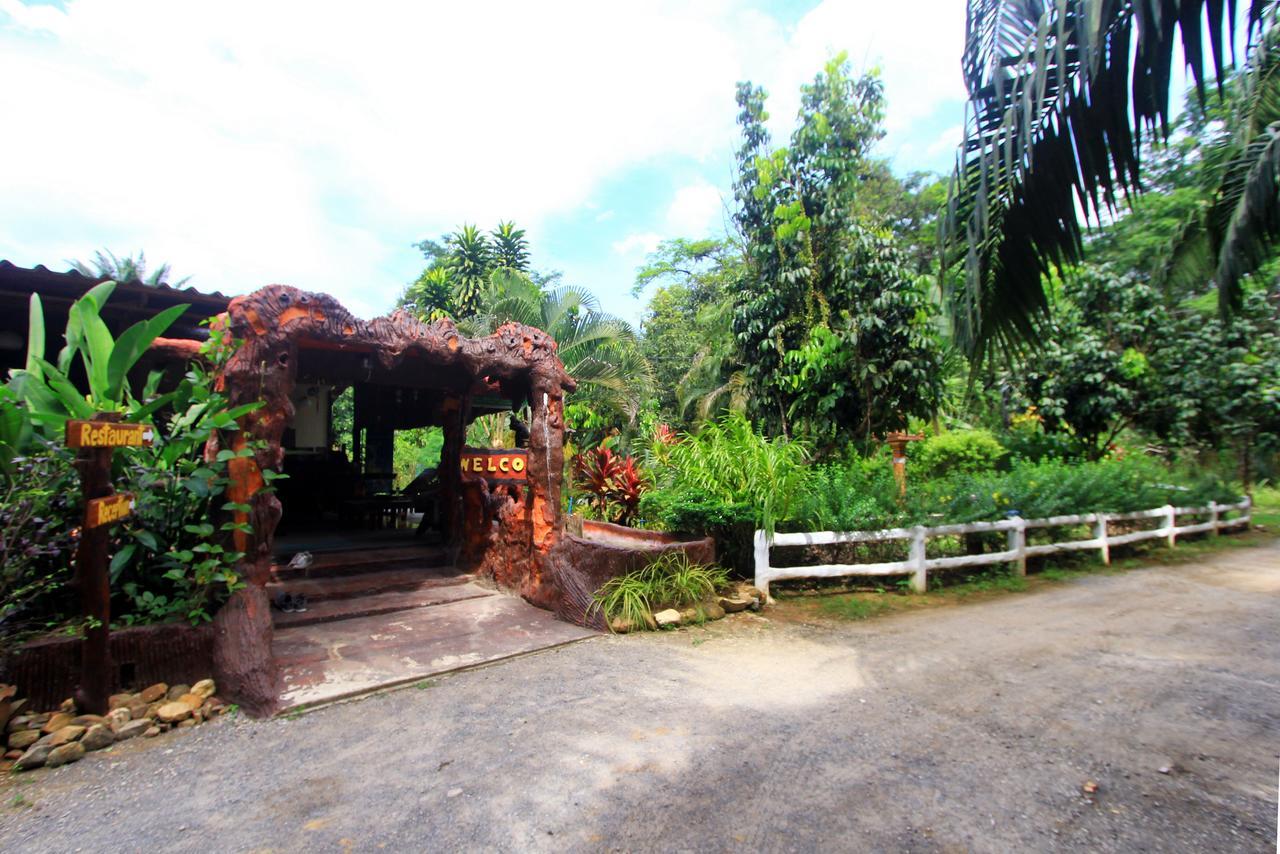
(738, 598)
(50, 739)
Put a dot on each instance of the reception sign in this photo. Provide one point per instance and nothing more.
(104, 511)
(496, 465)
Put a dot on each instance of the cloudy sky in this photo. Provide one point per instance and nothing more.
(312, 143)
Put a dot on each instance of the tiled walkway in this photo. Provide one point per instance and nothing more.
(335, 660)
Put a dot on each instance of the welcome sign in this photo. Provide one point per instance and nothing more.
(500, 465)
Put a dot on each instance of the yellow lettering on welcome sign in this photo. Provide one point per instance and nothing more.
(496, 465)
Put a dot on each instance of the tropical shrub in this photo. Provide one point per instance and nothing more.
(39, 506)
(854, 496)
(172, 557)
(956, 452)
(729, 461)
(857, 497)
(725, 481)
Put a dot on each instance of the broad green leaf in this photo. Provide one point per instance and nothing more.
(35, 335)
(133, 343)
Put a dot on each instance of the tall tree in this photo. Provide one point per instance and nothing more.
(510, 248)
(818, 280)
(469, 262)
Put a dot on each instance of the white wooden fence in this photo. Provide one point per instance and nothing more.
(918, 564)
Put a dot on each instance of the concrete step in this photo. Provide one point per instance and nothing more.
(338, 563)
(369, 583)
(330, 610)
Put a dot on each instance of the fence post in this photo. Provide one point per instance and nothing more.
(1018, 544)
(762, 563)
(916, 559)
(1171, 525)
(1213, 518)
(1100, 534)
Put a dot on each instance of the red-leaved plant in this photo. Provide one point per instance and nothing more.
(614, 483)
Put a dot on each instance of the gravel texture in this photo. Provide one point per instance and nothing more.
(1127, 712)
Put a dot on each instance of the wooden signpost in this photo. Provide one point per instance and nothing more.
(898, 443)
(97, 439)
(496, 466)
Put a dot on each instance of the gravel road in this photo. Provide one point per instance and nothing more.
(977, 727)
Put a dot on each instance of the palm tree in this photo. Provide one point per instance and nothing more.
(1061, 95)
(510, 248)
(431, 295)
(469, 262)
(598, 350)
(715, 382)
(106, 265)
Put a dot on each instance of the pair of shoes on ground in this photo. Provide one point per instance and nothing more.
(291, 603)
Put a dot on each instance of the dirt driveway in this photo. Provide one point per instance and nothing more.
(976, 727)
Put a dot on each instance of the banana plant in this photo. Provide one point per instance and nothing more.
(45, 388)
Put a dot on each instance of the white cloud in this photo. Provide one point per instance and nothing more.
(640, 243)
(251, 142)
(947, 141)
(695, 211)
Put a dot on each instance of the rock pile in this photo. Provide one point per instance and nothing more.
(56, 738)
(739, 598)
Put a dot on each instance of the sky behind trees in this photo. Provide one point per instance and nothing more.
(249, 143)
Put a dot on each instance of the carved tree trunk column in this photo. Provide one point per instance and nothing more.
(263, 369)
(546, 465)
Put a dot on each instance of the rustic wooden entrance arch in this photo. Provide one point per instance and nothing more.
(511, 535)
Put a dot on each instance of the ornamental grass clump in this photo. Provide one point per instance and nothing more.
(670, 581)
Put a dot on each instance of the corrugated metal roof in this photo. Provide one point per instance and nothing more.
(74, 279)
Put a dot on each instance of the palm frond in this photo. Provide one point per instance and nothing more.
(1253, 230)
(1060, 95)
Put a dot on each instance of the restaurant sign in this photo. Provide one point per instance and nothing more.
(108, 434)
(495, 465)
(105, 511)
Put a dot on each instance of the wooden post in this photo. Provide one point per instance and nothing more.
(1171, 525)
(95, 441)
(1100, 534)
(1018, 544)
(916, 558)
(450, 469)
(898, 445)
(1214, 512)
(762, 563)
(92, 582)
